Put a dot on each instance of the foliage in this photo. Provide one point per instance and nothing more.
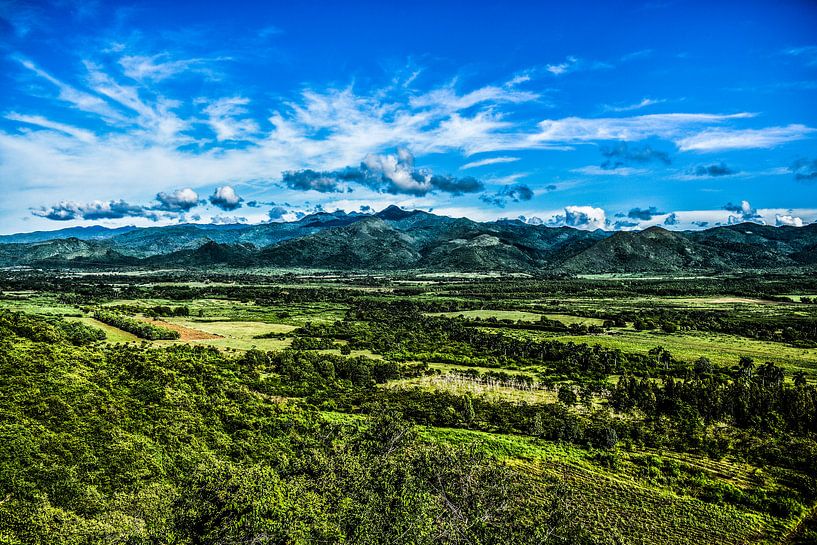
(141, 329)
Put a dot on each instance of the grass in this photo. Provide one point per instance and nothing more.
(243, 330)
(462, 386)
(42, 304)
(517, 315)
(234, 335)
(621, 504)
(721, 349)
(446, 367)
(113, 334)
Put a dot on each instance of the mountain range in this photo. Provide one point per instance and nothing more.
(397, 239)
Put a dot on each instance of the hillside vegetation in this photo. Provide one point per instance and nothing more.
(398, 409)
(396, 240)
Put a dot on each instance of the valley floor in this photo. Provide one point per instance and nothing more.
(644, 411)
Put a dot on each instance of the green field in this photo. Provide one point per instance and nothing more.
(721, 349)
(517, 315)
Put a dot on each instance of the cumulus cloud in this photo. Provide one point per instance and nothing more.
(793, 221)
(95, 210)
(277, 213)
(387, 173)
(582, 217)
(308, 179)
(180, 200)
(227, 220)
(225, 197)
(672, 219)
(643, 214)
(744, 211)
(514, 193)
(804, 170)
(168, 205)
(624, 154)
(713, 170)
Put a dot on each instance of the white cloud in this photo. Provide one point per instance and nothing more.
(223, 118)
(447, 99)
(143, 143)
(155, 68)
(668, 126)
(489, 161)
(180, 200)
(79, 134)
(728, 139)
(562, 68)
(581, 217)
(573, 64)
(793, 221)
(225, 197)
(585, 216)
(645, 102)
(80, 100)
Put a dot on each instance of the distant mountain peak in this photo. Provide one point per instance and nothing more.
(398, 239)
(395, 213)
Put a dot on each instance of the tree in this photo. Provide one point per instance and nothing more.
(746, 367)
(702, 366)
(800, 378)
(770, 374)
(567, 395)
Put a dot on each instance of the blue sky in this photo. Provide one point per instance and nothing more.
(590, 114)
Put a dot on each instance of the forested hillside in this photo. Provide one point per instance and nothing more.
(396, 240)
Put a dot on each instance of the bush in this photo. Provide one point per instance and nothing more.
(140, 329)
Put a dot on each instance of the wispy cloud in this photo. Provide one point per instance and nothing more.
(447, 99)
(643, 103)
(808, 53)
(156, 68)
(628, 129)
(40, 121)
(78, 99)
(227, 118)
(489, 161)
(575, 64)
(732, 139)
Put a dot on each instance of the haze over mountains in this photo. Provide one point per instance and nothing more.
(396, 239)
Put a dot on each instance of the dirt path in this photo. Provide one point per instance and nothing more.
(185, 333)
